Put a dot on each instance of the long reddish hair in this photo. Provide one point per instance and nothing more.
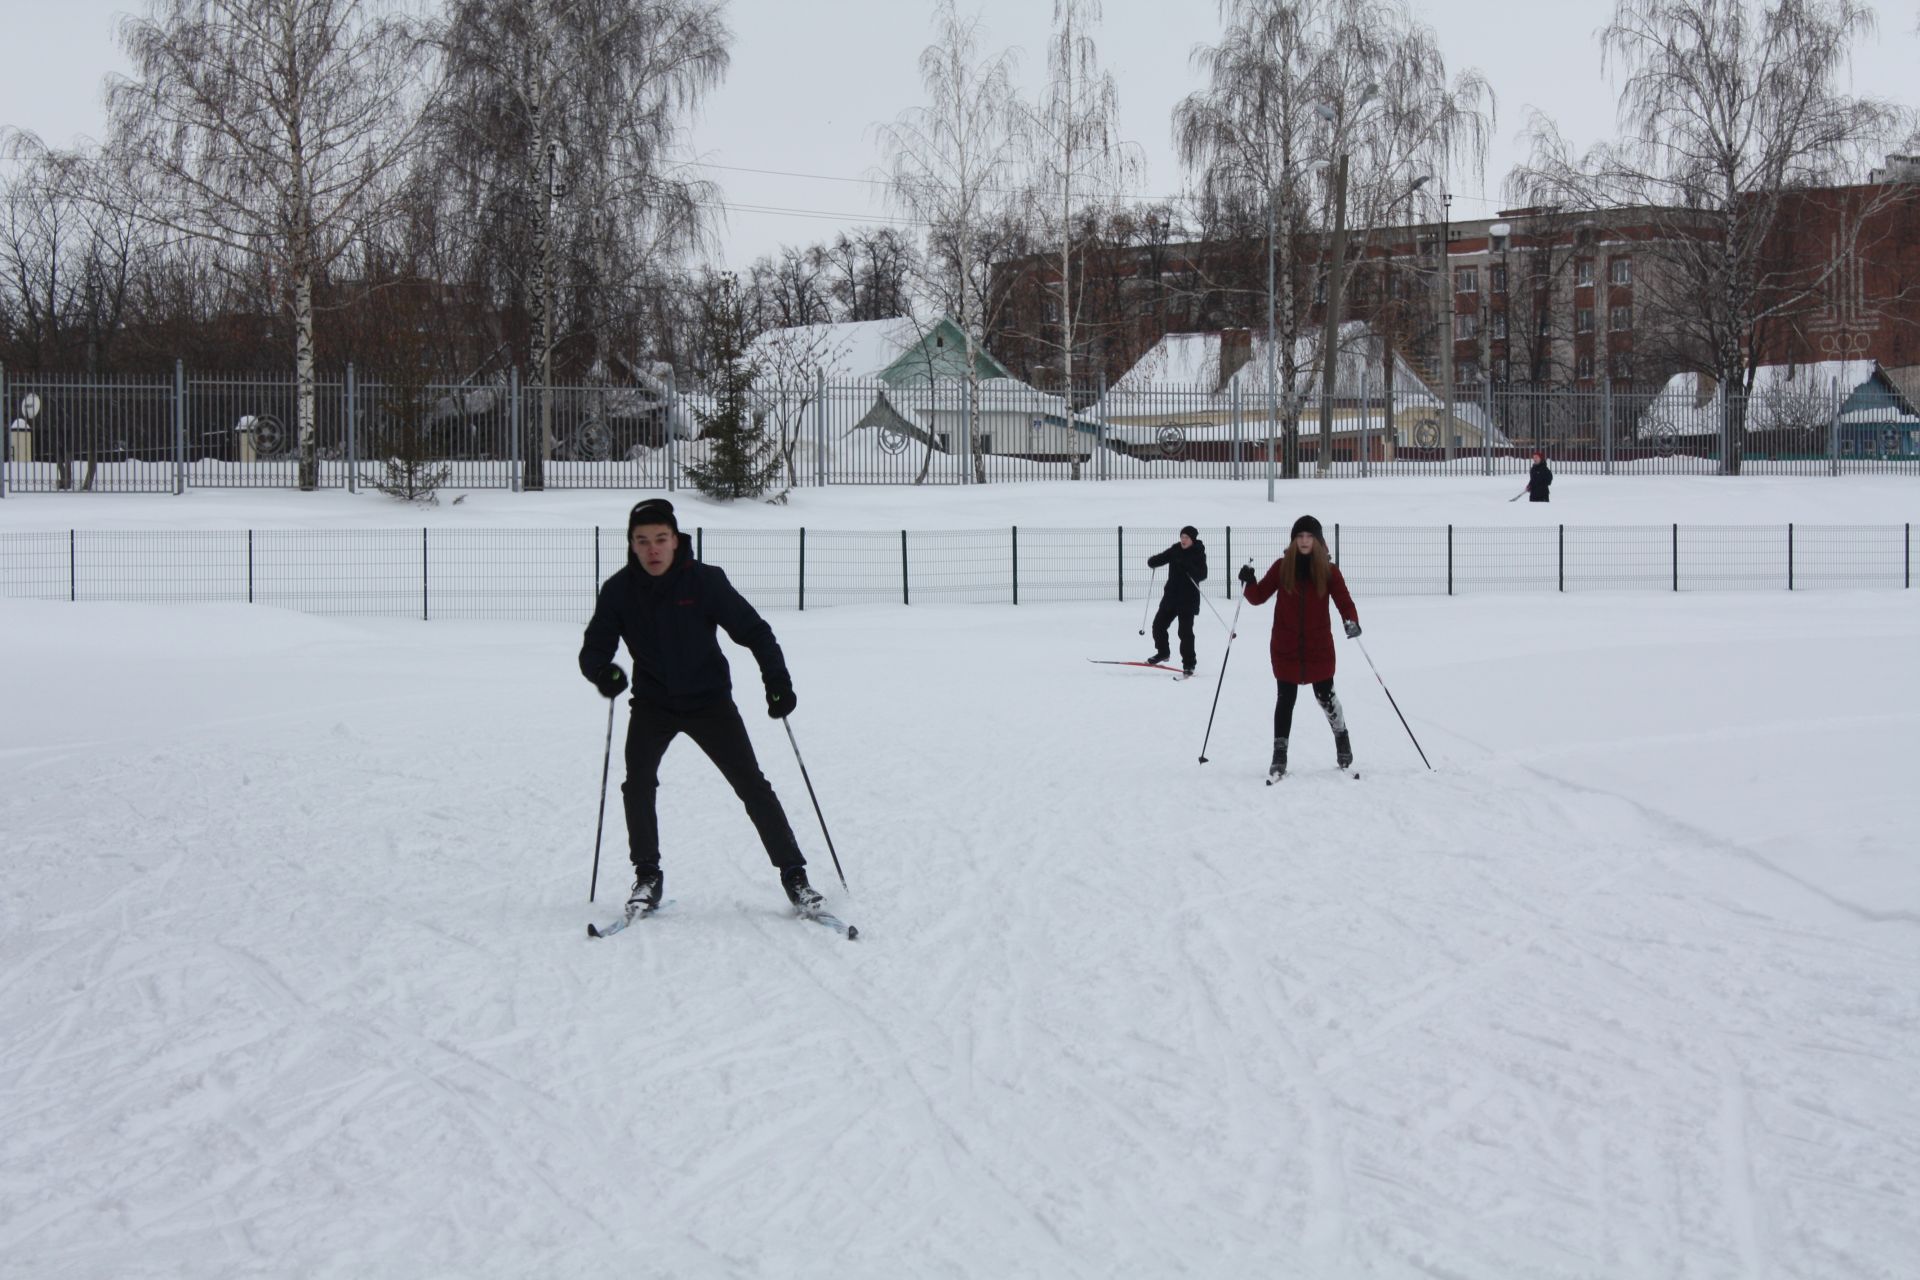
(1321, 566)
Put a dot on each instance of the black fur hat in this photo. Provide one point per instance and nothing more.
(1307, 524)
(1190, 532)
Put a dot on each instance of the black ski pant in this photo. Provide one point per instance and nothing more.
(1322, 693)
(1168, 612)
(720, 733)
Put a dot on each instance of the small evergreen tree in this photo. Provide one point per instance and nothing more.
(743, 461)
(413, 471)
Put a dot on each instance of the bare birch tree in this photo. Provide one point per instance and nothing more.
(955, 164)
(1293, 85)
(276, 128)
(1077, 156)
(563, 125)
(1727, 108)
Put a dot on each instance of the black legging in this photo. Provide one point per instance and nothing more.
(1322, 693)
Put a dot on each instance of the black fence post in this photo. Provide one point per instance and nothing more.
(1676, 557)
(1228, 579)
(1449, 559)
(249, 566)
(1120, 559)
(1563, 557)
(803, 568)
(1789, 555)
(73, 569)
(1016, 564)
(1336, 542)
(423, 573)
(905, 596)
(596, 561)
(1908, 583)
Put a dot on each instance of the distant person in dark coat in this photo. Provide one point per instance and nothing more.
(1300, 584)
(1539, 479)
(667, 606)
(1186, 564)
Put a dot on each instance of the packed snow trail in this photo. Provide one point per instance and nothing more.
(292, 975)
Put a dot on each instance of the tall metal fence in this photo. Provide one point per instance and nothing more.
(554, 574)
(185, 431)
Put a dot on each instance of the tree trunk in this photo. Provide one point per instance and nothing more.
(303, 375)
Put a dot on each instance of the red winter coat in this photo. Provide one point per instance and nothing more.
(1302, 636)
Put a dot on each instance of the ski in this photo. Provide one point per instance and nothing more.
(1351, 773)
(616, 925)
(831, 921)
(1151, 666)
(1184, 675)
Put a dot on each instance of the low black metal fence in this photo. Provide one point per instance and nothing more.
(554, 574)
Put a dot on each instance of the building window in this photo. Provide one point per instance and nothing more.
(1583, 271)
(1053, 311)
(1497, 278)
(1583, 320)
(1466, 279)
(1497, 325)
(1620, 319)
(1467, 373)
(1320, 290)
(1583, 366)
(1466, 325)
(1622, 363)
(1620, 271)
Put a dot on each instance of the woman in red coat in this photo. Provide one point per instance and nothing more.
(1300, 583)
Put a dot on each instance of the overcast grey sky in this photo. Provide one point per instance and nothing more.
(810, 80)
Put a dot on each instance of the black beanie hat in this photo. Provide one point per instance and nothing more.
(1307, 524)
(652, 511)
(1190, 532)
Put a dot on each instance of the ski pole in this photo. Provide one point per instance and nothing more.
(1389, 693)
(601, 826)
(1208, 600)
(1148, 602)
(1516, 497)
(1228, 653)
(816, 804)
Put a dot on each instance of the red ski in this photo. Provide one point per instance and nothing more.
(1151, 666)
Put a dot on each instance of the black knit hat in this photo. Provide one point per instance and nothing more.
(1307, 524)
(652, 511)
(1189, 531)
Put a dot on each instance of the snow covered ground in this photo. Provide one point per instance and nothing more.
(293, 977)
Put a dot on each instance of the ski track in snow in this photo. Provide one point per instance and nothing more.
(303, 991)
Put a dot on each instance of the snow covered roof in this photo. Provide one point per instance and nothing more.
(1205, 362)
(851, 349)
(1784, 396)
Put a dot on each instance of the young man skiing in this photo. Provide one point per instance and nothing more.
(1302, 648)
(667, 606)
(1186, 563)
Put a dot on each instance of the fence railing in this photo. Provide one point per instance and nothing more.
(555, 573)
(188, 431)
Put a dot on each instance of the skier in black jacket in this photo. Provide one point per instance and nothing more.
(1186, 562)
(666, 606)
(1539, 478)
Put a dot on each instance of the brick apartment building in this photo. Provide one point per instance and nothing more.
(1529, 298)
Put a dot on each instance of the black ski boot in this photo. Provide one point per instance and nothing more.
(645, 897)
(1343, 750)
(1278, 769)
(804, 897)
(1157, 660)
